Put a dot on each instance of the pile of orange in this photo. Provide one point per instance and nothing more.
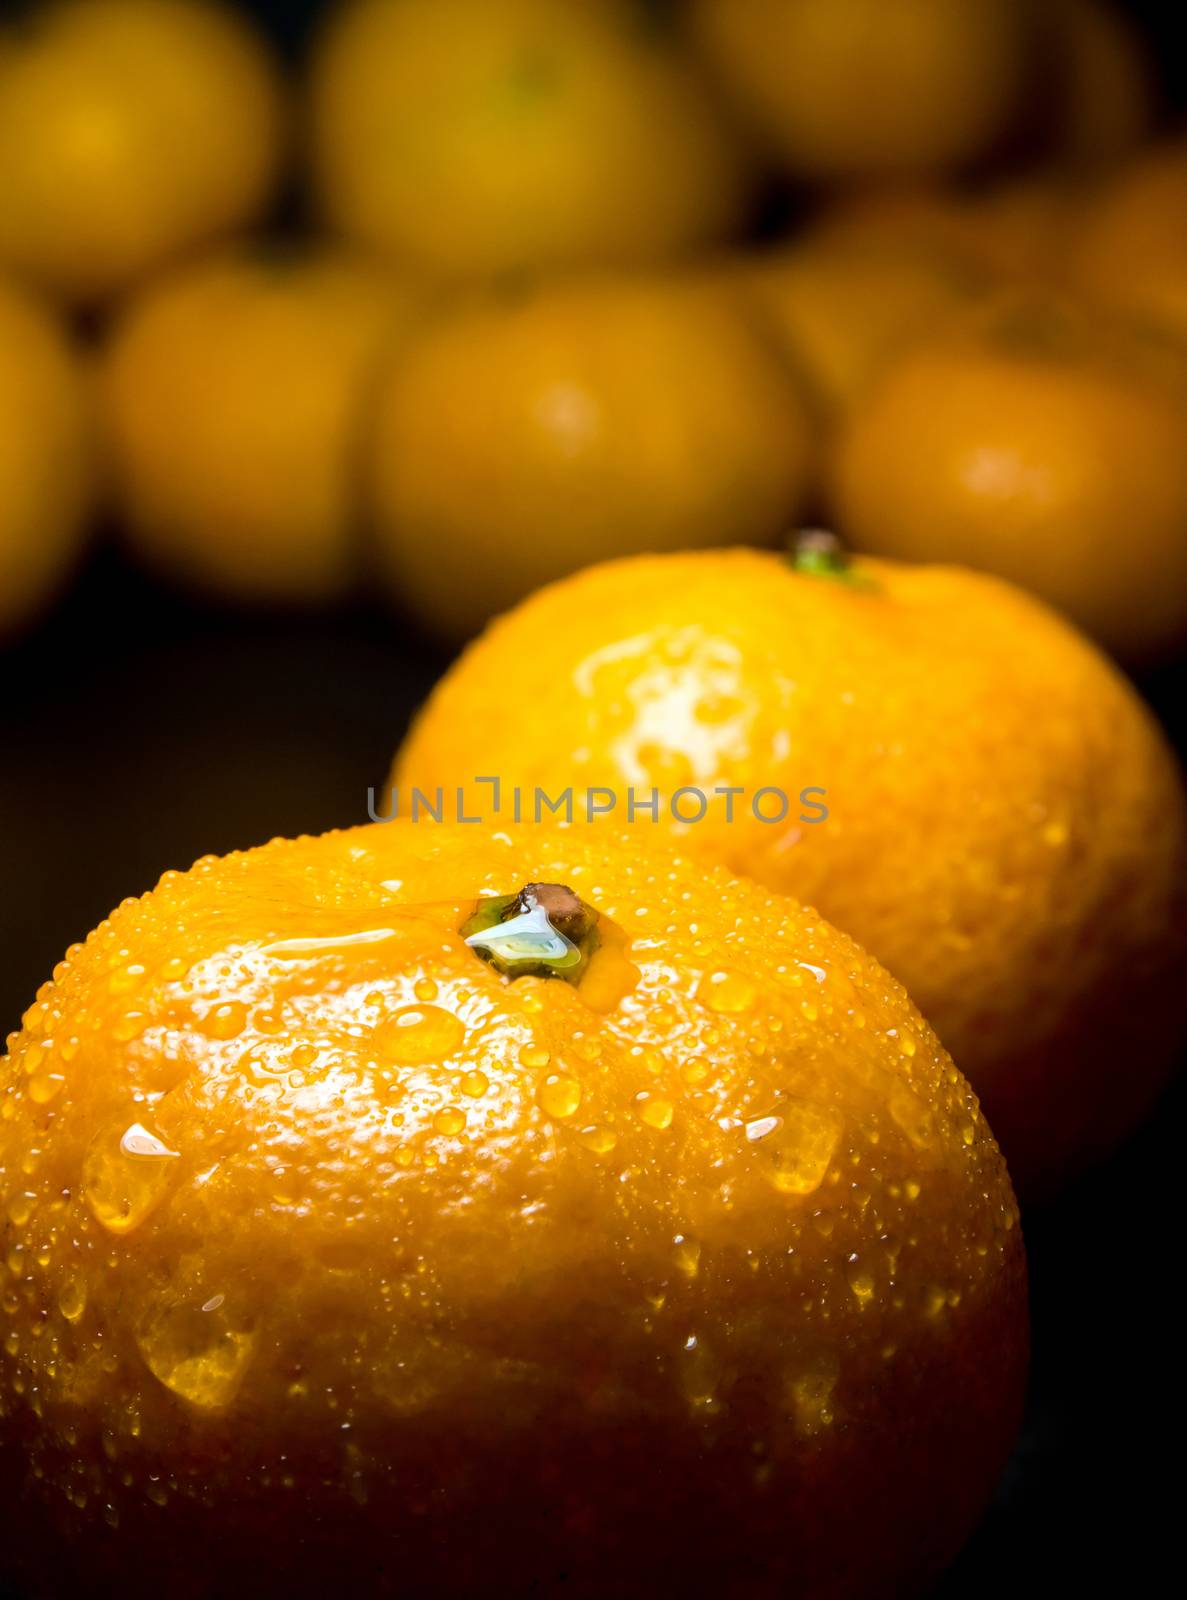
(534, 328)
(562, 1201)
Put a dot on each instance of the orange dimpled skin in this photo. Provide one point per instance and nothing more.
(1006, 828)
(336, 1255)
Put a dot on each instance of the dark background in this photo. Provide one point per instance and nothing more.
(140, 730)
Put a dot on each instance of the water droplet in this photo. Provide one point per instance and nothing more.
(602, 1141)
(425, 989)
(796, 1145)
(226, 1020)
(812, 1399)
(199, 1354)
(655, 1111)
(125, 1177)
(449, 1121)
(46, 1086)
(418, 1034)
(20, 1209)
(688, 1255)
(935, 1300)
(534, 1055)
(72, 1299)
(912, 1116)
(475, 1084)
(699, 1376)
(861, 1284)
(727, 992)
(559, 1096)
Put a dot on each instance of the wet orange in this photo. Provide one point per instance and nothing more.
(1132, 253)
(528, 434)
(46, 455)
(1042, 441)
(234, 397)
(336, 1255)
(476, 137)
(842, 310)
(1006, 828)
(862, 88)
(129, 132)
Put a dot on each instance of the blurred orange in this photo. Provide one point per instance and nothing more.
(474, 137)
(47, 480)
(233, 396)
(1043, 442)
(1098, 105)
(841, 309)
(529, 434)
(129, 131)
(871, 88)
(1133, 250)
(1017, 228)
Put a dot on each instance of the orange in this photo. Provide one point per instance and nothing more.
(841, 310)
(863, 88)
(1099, 102)
(476, 137)
(1043, 443)
(338, 1255)
(1132, 253)
(936, 761)
(234, 396)
(46, 456)
(1020, 228)
(526, 435)
(129, 132)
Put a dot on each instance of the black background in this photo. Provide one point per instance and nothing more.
(140, 730)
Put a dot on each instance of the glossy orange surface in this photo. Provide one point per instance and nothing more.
(324, 1237)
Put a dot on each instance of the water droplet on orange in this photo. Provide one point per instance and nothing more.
(418, 1034)
(795, 1145)
(727, 992)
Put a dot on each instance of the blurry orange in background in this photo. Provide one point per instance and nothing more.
(469, 138)
(1045, 442)
(842, 308)
(1098, 91)
(130, 131)
(47, 479)
(1015, 228)
(845, 89)
(1133, 251)
(235, 399)
(532, 432)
